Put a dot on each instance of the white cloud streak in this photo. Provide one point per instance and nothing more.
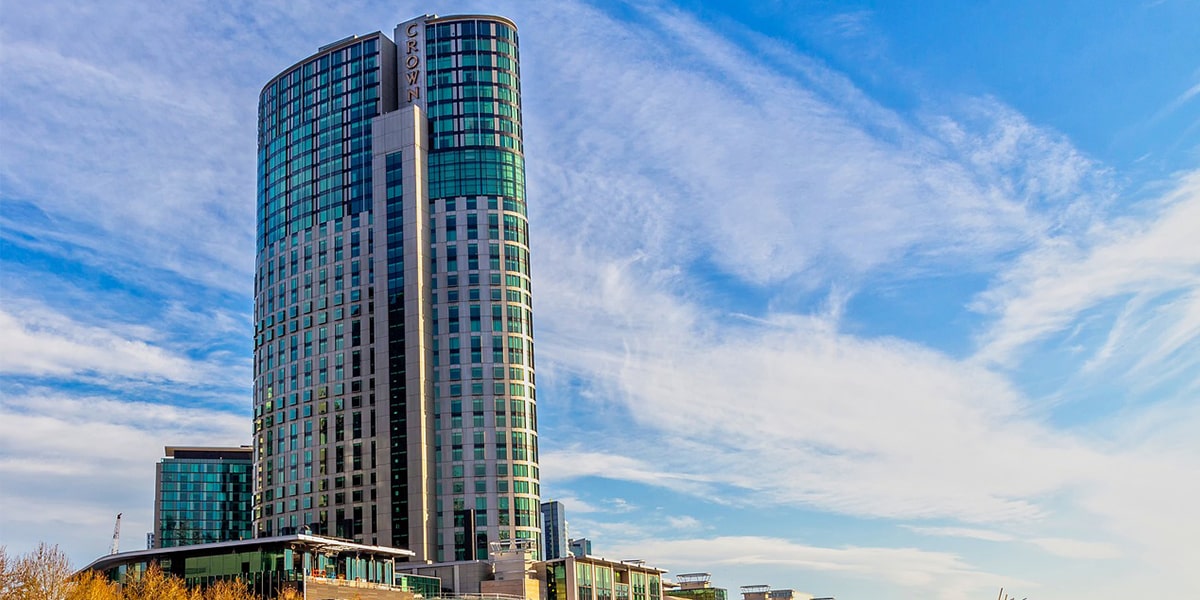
(1064, 547)
(565, 466)
(785, 173)
(83, 458)
(793, 412)
(962, 532)
(1152, 266)
(723, 139)
(786, 409)
(41, 342)
(918, 572)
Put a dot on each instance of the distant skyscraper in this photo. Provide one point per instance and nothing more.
(394, 369)
(581, 547)
(554, 530)
(202, 495)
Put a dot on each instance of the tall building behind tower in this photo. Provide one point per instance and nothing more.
(201, 495)
(554, 530)
(394, 382)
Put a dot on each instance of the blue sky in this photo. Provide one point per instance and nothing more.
(868, 300)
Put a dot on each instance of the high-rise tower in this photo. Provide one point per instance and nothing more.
(394, 394)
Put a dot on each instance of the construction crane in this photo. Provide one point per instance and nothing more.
(116, 535)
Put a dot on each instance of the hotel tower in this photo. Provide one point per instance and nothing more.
(394, 394)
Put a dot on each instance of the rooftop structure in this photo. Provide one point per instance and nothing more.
(580, 547)
(697, 586)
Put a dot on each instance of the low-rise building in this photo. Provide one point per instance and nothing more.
(755, 592)
(764, 592)
(697, 586)
(595, 578)
(783, 595)
(512, 572)
(314, 566)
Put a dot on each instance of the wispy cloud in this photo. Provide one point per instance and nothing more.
(136, 196)
(936, 574)
(573, 504)
(962, 532)
(1150, 264)
(92, 457)
(1176, 103)
(1077, 549)
(794, 412)
(1068, 548)
(42, 343)
(568, 465)
(765, 175)
(784, 176)
(184, 352)
(830, 420)
(143, 165)
(684, 523)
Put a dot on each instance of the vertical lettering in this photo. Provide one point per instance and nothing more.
(413, 60)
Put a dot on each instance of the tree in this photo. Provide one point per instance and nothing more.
(40, 575)
(8, 583)
(155, 585)
(45, 574)
(289, 594)
(92, 585)
(228, 590)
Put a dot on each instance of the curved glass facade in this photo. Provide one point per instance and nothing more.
(314, 140)
(371, 330)
(313, 392)
(486, 406)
